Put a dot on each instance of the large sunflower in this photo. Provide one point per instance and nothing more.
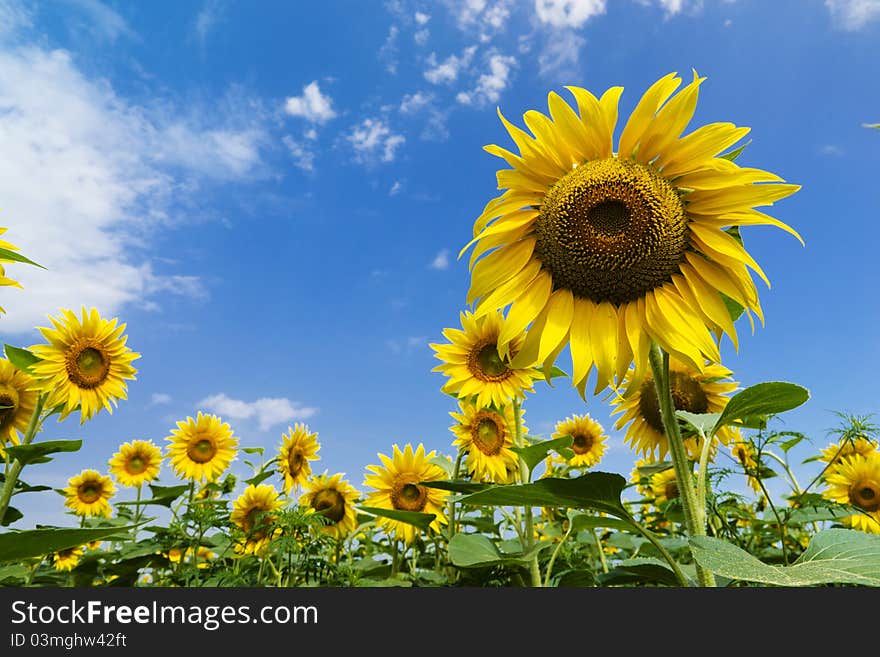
(298, 447)
(608, 251)
(692, 390)
(588, 439)
(17, 401)
(855, 480)
(485, 434)
(475, 365)
(89, 493)
(86, 363)
(334, 498)
(202, 448)
(396, 487)
(254, 512)
(136, 463)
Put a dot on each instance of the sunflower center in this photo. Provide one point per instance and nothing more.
(330, 504)
(611, 230)
(487, 433)
(257, 516)
(581, 443)
(407, 496)
(136, 464)
(201, 450)
(8, 405)
(486, 364)
(88, 364)
(88, 493)
(671, 490)
(687, 395)
(295, 462)
(865, 494)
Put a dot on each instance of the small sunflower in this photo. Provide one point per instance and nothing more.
(588, 439)
(89, 493)
(5, 280)
(201, 448)
(640, 478)
(17, 402)
(692, 390)
(254, 513)
(298, 447)
(855, 480)
(86, 363)
(176, 555)
(608, 251)
(136, 463)
(744, 452)
(334, 498)
(485, 434)
(396, 487)
(67, 559)
(475, 365)
(860, 445)
(664, 487)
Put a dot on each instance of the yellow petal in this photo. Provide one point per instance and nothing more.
(722, 247)
(524, 309)
(641, 116)
(499, 266)
(560, 310)
(507, 292)
(581, 347)
(670, 122)
(740, 197)
(604, 342)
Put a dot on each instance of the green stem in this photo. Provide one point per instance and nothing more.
(15, 470)
(553, 558)
(455, 472)
(683, 475)
(528, 528)
(137, 511)
(701, 479)
(602, 558)
(664, 552)
(784, 464)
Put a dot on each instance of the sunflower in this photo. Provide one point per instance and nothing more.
(298, 447)
(860, 445)
(664, 486)
(85, 364)
(4, 280)
(17, 402)
(333, 497)
(608, 251)
(176, 555)
(588, 439)
(475, 364)
(67, 559)
(485, 434)
(693, 390)
(397, 488)
(136, 463)
(640, 478)
(744, 452)
(855, 480)
(254, 512)
(89, 493)
(201, 449)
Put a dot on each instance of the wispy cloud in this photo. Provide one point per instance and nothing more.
(207, 18)
(312, 105)
(568, 13)
(160, 399)
(448, 70)
(99, 20)
(407, 345)
(267, 411)
(374, 141)
(395, 188)
(413, 103)
(303, 156)
(388, 51)
(853, 14)
(489, 85)
(831, 150)
(440, 261)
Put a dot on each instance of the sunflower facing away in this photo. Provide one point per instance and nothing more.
(744, 452)
(396, 487)
(855, 480)
(67, 559)
(334, 498)
(472, 361)
(608, 251)
(201, 448)
(588, 439)
(85, 364)
(693, 391)
(17, 401)
(298, 447)
(253, 512)
(663, 486)
(136, 463)
(860, 445)
(485, 434)
(89, 493)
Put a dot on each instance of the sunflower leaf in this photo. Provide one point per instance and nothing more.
(477, 551)
(537, 452)
(15, 546)
(456, 485)
(759, 401)
(36, 452)
(21, 358)
(639, 570)
(420, 520)
(734, 308)
(732, 155)
(14, 256)
(704, 423)
(10, 516)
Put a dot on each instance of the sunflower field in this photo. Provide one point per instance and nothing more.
(629, 255)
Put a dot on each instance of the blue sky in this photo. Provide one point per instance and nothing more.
(272, 195)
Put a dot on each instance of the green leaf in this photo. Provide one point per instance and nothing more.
(732, 155)
(259, 477)
(456, 485)
(15, 546)
(12, 514)
(21, 358)
(734, 308)
(761, 400)
(579, 521)
(420, 520)
(594, 490)
(477, 551)
(536, 453)
(15, 256)
(704, 423)
(551, 373)
(35, 452)
(162, 495)
(834, 556)
(639, 570)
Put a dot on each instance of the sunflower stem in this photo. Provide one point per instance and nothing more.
(528, 528)
(552, 561)
(15, 470)
(683, 475)
(601, 551)
(455, 472)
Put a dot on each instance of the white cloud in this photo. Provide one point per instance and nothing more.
(406, 345)
(373, 140)
(831, 150)
(440, 261)
(568, 13)
(853, 14)
(561, 53)
(496, 15)
(448, 70)
(100, 20)
(160, 398)
(268, 411)
(303, 156)
(207, 18)
(395, 188)
(413, 103)
(421, 36)
(490, 85)
(14, 17)
(312, 105)
(388, 51)
(86, 177)
(421, 18)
